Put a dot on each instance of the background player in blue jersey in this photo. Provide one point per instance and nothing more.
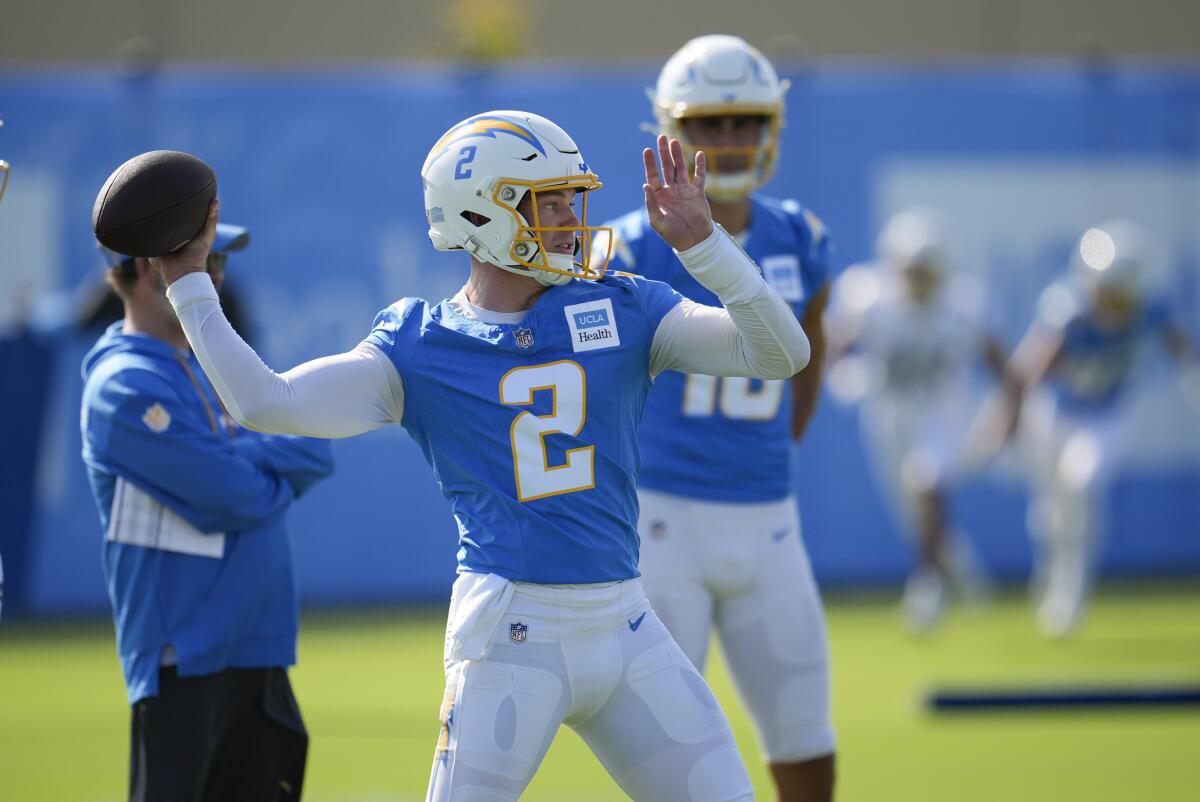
(720, 533)
(525, 391)
(1091, 333)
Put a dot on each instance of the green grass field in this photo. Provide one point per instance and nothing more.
(369, 685)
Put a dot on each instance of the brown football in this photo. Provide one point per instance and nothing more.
(154, 203)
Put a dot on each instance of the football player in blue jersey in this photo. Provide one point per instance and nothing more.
(721, 541)
(525, 392)
(1083, 349)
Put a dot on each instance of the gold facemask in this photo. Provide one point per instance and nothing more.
(528, 244)
(760, 159)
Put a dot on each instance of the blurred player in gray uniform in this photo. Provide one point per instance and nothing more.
(906, 333)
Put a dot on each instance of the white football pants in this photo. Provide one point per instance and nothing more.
(743, 568)
(595, 658)
(913, 444)
(1074, 461)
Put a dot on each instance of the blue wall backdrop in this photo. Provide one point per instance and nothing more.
(323, 167)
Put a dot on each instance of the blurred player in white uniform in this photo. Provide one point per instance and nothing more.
(906, 333)
(720, 533)
(525, 393)
(1081, 354)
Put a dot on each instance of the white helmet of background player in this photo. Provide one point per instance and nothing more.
(1114, 258)
(911, 247)
(720, 76)
(487, 164)
(913, 239)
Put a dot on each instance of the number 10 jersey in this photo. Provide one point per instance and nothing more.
(726, 439)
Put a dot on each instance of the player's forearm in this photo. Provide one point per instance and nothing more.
(301, 461)
(806, 389)
(771, 340)
(694, 338)
(723, 268)
(1179, 345)
(806, 385)
(337, 396)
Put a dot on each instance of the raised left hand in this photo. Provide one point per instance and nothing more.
(675, 202)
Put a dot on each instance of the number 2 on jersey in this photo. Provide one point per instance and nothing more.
(739, 399)
(536, 477)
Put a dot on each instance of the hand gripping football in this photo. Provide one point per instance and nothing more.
(154, 203)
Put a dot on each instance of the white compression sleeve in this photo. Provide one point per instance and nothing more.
(756, 334)
(334, 396)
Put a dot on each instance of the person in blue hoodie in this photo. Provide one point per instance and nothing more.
(196, 556)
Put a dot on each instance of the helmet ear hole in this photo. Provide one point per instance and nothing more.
(475, 218)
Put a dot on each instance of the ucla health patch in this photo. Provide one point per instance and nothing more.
(782, 272)
(592, 325)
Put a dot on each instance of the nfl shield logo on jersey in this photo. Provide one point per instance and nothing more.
(524, 337)
(517, 632)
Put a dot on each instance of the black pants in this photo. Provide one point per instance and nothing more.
(236, 736)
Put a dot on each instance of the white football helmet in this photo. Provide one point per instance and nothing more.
(1115, 256)
(486, 165)
(721, 75)
(912, 238)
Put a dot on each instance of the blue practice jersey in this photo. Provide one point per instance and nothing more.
(1095, 362)
(725, 439)
(531, 427)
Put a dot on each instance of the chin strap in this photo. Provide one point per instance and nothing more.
(548, 279)
(559, 261)
(731, 186)
(544, 277)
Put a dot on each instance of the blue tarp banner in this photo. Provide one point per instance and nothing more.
(323, 167)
